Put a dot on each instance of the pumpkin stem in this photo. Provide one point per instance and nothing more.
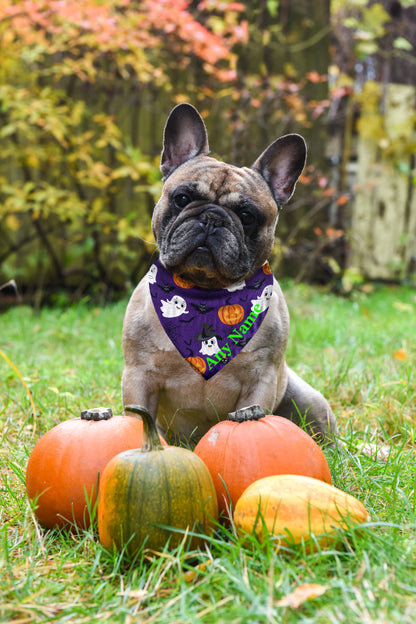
(253, 412)
(151, 440)
(97, 413)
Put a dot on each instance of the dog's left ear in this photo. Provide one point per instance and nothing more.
(184, 137)
(281, 165)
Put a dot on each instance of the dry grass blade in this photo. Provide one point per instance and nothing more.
(29, 394)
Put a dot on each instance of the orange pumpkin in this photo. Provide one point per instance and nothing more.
(267, 269)
(197, 363)
(66, 463)
(250, 445)
(183, 283)
(231, 314)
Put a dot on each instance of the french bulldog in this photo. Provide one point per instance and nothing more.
(214, 226)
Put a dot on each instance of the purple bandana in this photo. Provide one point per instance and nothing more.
(210, 327)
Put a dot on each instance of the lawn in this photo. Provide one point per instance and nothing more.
(360, 352)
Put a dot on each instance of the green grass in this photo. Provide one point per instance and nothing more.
(349, 349)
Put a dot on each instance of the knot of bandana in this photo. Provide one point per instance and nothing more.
(210, 327)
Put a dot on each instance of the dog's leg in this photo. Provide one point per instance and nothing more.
(135, 390)
(306, 406)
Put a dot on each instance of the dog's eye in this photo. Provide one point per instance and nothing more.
(181, 200)
(247, 218)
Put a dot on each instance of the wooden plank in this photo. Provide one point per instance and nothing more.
(383, 225)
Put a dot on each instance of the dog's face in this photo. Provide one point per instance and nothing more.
(214, 223)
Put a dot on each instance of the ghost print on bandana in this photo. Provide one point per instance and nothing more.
(210, 327)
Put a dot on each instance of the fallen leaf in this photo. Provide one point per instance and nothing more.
(375, 451)
(400, 354)
(301, 594)
(138, 594)
(192, 574)
(366, 288)
(403, 307)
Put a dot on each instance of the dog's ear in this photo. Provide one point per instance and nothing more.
(184, 137)
(281, 165)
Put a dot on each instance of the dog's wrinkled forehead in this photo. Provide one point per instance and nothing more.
(219, 182)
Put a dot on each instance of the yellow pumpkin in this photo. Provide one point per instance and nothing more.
(293, 508)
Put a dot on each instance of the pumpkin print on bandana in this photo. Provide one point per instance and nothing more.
(210, 327)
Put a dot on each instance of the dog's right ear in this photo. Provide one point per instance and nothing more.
(184, 137)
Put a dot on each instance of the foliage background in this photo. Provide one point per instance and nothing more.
(85, 89)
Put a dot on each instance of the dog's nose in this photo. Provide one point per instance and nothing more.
(211, 218)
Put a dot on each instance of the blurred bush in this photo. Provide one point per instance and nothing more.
(78, 169)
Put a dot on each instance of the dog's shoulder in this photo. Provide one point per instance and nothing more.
(140, 312)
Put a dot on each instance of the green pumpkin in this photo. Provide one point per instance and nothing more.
(143, 491)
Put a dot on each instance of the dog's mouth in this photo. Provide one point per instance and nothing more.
(203, 267)
(205, 246)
